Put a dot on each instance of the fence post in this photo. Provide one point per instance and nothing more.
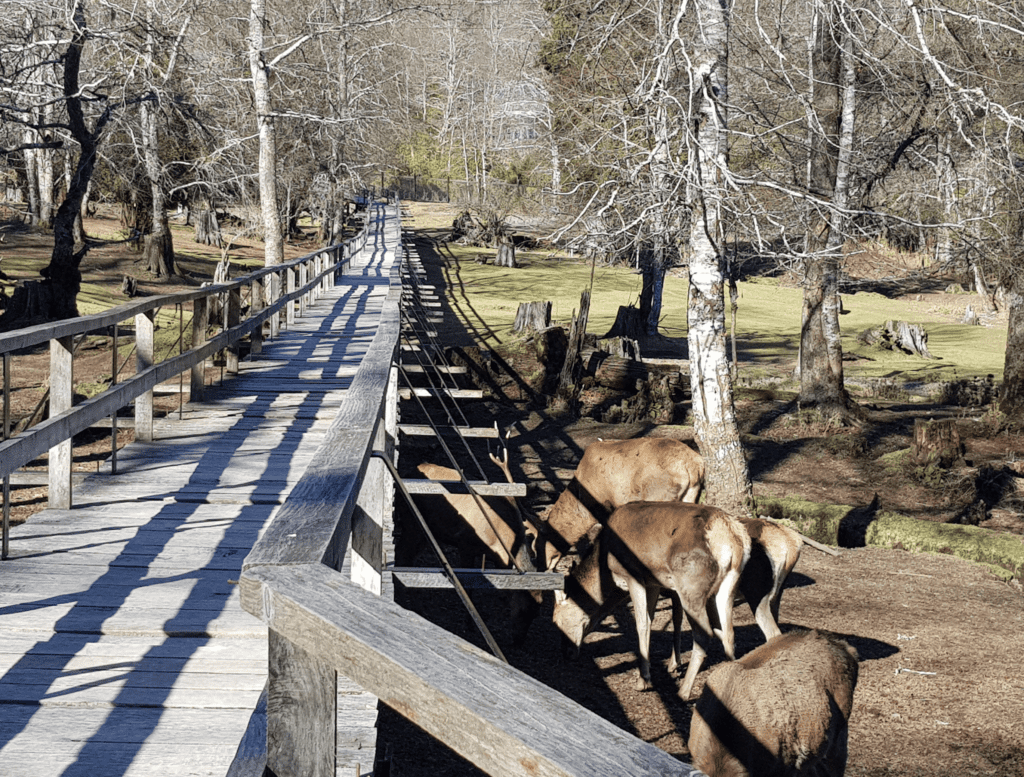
(274, 281)
(256, 304)
(232, 315)
(289, 275)
(200, 323)
(61, 389)
(302, 710)
(144, 354)
(304, 297)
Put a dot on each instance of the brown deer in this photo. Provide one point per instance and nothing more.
(774, 551)
(694, 551)
(616, 472)
(782, 709)
(611, 474)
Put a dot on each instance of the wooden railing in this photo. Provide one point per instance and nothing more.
(302, 281)
(323, 622)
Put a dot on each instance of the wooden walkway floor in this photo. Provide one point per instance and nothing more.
(123, 648)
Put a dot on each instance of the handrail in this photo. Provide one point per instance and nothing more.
(55, 433)
(322, 622)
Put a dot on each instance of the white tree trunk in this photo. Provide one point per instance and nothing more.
(273, 246)
(728, 479)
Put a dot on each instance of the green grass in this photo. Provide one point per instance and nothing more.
(768, 317)
(1001, 554)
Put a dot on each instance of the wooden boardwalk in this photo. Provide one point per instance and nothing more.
(123, 648)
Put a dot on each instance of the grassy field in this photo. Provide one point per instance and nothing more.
(768, 317)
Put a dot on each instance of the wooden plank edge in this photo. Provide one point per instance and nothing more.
(508, 722)
(421, 486)
(493, 579)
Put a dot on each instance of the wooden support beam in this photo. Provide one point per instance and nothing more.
(508, 723)
(445, 370)
(501, 579)
(423, 430)
(417, 486)
(450, 393)
(144, 359)
(200, 325)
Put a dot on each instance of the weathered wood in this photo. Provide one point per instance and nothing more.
(423, 430)
(508, 723)
(200, 326)
(450, 393)
(303, 694)
(568, 379)
(129, 583)
(937, 442)
(493, 579)
(532, 316)
(418, 486)
(61, 389)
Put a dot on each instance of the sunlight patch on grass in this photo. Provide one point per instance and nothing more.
(768, 320)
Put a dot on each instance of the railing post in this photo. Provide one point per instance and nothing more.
(303, 298)
(272, 288)
(200, 323)
(232, 315)
(289, 275)
(144, 347)
(61, 388)
(302, 710)
(256, 304)
(5, 546)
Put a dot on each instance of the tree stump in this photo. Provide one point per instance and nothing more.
(208, 228)
(898, 335)
(628, 323)
(936, 442)
(129, 286)
(571, 369)
(506, 256)
(532, 316)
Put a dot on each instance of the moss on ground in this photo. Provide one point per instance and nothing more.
(1002, 554)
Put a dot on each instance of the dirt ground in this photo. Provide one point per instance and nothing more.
(940, 639)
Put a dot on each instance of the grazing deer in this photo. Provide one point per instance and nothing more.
(774, 551)
(782, 709)
(694, 551)
(613, 473)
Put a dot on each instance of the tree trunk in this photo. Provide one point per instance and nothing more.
(715, 428)
(273, 246)
(830, 120)
(62, 279)
(568, 380)
(1011, 394)
(159, 246)
(532, 315)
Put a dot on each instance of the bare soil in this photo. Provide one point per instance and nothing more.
(940, 639)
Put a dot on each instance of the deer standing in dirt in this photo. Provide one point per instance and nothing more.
(696, 552)
(782, 709)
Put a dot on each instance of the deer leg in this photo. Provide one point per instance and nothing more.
(677, 633)
(644, 604)
(723, 603)
(700, 628)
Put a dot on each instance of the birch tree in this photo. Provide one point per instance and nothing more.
(715, 427)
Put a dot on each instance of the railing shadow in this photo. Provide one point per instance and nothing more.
(135, 711)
